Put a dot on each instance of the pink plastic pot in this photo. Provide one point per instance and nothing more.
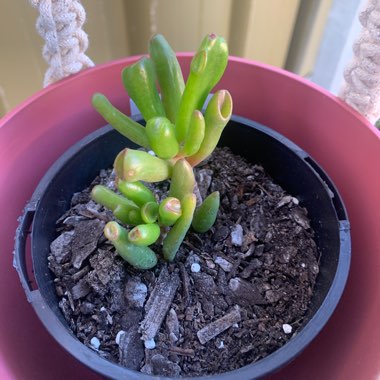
(348, 147)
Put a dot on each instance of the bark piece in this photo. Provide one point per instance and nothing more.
(87, 234)
(182, 351)
(204, 283)
(204, 178)
(60, 247)
(164, 367)
(80, 290)
(217, 327)
(131, 349)
(172, 325)
(159, 303)
(102, 263)
(245, 291)
(300, 217)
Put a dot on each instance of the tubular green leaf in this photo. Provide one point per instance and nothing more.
(144, 234)
(169, 211)
(135, 165)
(109, 199)
(161, 136)
(149, 212)
(136, 192)
(207, 67)
(138, 257)
(205, 214)
(131, 216)
(169, 75)
(121, 122)
(140, 82)
(175, 236)
(217, 115)
(195, 134)
(182, 179)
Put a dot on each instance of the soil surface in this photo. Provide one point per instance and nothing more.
(233, 295)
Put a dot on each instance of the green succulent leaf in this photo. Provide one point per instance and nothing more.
(144, 234)
(217, 115)
(149, 212)
(135, 165)
(169, 211)
(169, 75)
(121, 122)
(195, 134)
(205, 215)
(136, 192)
(175, 236)
(161, 136)
(207, 67)
(182, 179)
(140, 82)
(131, 216)
(109, 199)
(139, 257)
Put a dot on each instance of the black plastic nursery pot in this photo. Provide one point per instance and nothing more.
(289, 166)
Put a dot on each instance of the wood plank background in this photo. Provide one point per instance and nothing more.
(278, 32)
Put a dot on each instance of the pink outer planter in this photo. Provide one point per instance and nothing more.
(35, 134)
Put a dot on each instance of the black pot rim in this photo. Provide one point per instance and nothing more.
(264, 366)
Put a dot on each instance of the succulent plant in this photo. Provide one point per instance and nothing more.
(179, 135)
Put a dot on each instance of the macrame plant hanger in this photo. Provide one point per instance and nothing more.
(60, 25)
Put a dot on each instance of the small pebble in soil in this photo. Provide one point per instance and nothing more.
(287, 328)
(118, 336)
(195, 268)
(95, 342)
(237, 235)
(295, 201)
(136, 292)
(224, 264)
(150, 344)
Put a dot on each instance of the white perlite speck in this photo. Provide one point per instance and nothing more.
(95, 342)
(150, 344)
(195, 267)
(287, 328)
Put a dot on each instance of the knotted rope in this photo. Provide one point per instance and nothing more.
(60, 25)
(362, 75)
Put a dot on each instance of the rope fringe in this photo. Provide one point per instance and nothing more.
(60, 25)
(362, 75)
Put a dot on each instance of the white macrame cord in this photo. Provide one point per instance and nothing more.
(60, 25)
(362, 75)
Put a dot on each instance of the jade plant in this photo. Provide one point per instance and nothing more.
(177, 137)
